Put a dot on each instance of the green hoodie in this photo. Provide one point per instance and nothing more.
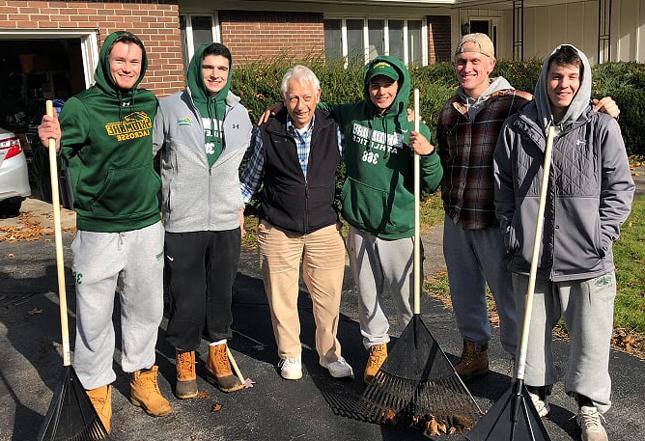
(212, 108)
(378, 194)
(106, 145)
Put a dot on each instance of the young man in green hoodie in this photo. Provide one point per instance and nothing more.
(378, 199)
(104, 140)
(203, 133)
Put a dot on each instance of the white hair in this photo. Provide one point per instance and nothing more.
(302, 74)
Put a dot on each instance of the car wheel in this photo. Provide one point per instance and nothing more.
(10, 207)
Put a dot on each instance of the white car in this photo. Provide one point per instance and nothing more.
(14, 179)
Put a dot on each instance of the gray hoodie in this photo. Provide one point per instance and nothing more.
(590, 187)
(578, 104)
(475, 105)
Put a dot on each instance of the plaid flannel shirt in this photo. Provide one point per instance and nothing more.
(254, 171)
(466, 150)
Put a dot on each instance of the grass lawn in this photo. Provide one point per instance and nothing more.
(629, 256)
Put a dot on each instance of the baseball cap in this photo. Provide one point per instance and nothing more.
(382, 68)
(480, 43)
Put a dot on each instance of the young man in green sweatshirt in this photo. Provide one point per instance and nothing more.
(203, 132)
(378, 198)
(104, 140)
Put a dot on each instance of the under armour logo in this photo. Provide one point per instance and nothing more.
(579, 142)
(125, 104)
(236, 126)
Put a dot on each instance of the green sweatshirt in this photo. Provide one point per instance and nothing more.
(378, 194)
(212, 108)
(106, 146)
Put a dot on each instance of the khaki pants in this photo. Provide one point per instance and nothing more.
(323, 259)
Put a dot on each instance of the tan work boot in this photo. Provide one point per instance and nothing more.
(145, 393)
(474, 360)
(378, 354)
(101, 399)
(186, 386)
(219, 367)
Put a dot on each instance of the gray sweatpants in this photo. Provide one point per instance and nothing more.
(588, 310)
(133, 262)
(475, 258)
(380, 266)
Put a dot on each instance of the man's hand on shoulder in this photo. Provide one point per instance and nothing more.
(268, 113)
(607, 105)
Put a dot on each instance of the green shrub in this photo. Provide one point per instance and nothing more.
(259, 86)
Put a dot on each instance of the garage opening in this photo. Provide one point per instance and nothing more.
(35, 67)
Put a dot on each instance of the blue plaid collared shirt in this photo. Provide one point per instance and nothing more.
(254, 171)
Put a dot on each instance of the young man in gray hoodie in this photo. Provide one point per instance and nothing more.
(589, 197)
(203, 133)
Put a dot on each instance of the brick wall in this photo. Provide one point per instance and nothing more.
(253, 36)
(438, 38)
(155, 22)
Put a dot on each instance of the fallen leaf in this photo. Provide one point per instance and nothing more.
(202, 394)
(35, 310)
(216, 407)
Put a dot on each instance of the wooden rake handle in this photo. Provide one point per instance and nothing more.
(236, 369)
(417, 215)
(60, 261)
(539, 224)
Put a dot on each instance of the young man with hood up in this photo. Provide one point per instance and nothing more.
(589, 197)
(203, 133)
(106, 147)
(473, 246)
(378, 198)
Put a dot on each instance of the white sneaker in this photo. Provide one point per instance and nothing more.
(590, 422)
(339, 368)
(541, 406)
(290, 368)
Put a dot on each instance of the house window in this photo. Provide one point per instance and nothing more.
(361, 39)
(355, 42)
(197, 30)
(333, 40)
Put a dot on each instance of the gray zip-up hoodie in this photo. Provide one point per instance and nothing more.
(196, 197)
(590, 186)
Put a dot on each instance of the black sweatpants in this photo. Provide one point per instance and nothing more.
(200, 270)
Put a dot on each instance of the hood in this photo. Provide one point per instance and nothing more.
(578, 105)
(399, 107)
(103, 77)
(474, 105)
(496, 84)
(195, 80)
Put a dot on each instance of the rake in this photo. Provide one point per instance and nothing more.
(513, 417)
(417, 384)
(71, 416)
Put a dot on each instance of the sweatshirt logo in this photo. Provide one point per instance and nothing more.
(135, 125)
(376, 139)
(185, 121)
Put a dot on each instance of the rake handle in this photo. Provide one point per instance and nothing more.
(58, 235)
(417, 215)
(539, 225)
(236, 369)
